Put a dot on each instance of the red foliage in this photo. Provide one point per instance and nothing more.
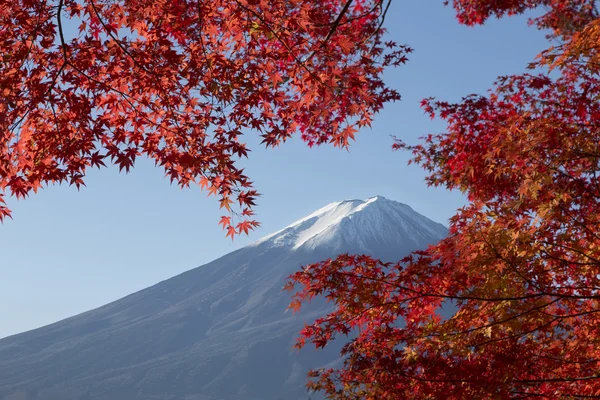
(519, 272)
(562, 17)
(180, 81)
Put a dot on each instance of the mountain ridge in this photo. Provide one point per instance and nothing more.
(218, 331)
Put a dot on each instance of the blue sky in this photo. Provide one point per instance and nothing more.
(66, 252)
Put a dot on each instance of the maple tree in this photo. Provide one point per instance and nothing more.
(180, 82)
(519, 273)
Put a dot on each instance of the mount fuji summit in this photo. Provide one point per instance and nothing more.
(216, 332)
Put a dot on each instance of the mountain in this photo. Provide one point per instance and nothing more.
(217, 332)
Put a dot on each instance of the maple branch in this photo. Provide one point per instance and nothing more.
(203, 45)
(124, 49)
(450, 380)
(55, 120)
(568, 316)
(585, 226)
(565, 361)
(372, 9)
(115, 40)
(558, 297)
(545, 396)
(336, 23)
(139, 65)
(124, 95)
(31, 34)
(537, 328)
(60, 70)
(565, 261)
(280, 40)
(515, 335)
(566, 379)
(383, 15)
(413, 377)
(60, 30)
(462, 297)
(564, 246)
(513, 266)
(495, 323)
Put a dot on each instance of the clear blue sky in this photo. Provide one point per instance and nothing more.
(67, 252)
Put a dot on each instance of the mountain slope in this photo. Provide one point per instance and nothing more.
(217, 332)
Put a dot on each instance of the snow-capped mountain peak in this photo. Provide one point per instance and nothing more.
(354, 221)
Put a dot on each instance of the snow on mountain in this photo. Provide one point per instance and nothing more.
(358, 223)
(217, 332)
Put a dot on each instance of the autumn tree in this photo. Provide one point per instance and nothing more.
(181, 82)
(521, 265)
(86, 82)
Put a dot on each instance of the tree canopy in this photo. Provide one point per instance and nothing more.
(181, 82)
(520, 269)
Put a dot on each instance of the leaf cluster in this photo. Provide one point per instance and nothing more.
(508, 305)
